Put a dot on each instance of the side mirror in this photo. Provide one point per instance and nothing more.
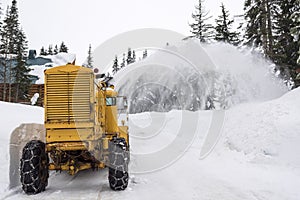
(125, 103)
(122, 103)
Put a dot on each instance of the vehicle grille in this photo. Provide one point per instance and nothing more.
(68, 97)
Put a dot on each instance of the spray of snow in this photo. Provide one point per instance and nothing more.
(194, 77)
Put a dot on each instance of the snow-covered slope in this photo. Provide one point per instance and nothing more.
(256, 157)
(268, 130)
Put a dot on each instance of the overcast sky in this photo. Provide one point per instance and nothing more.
(79, 23)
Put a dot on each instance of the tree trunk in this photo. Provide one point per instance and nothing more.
(264, 26)
(4, 80)
(17, 93)
(269, 27)
(9, 84)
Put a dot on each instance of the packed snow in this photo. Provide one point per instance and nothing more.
(256, 157)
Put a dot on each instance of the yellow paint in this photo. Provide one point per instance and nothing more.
(105, 143)
(67, 146)
(124, 133)
(62, 135)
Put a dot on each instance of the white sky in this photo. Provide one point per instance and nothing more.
(79, 23)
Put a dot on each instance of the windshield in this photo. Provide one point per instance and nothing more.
(110, 101)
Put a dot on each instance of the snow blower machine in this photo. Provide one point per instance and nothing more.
(82, 130)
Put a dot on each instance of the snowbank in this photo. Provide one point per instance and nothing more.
(11, 116)
(266, 132)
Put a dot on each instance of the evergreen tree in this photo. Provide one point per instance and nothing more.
(55, 51)
(63, 48)
(90, 58)
(223, 28)
(200, 28)
(145, 54)
(129, 56)
(273, 25)
(252, 34)
(287, 33)
(43, 52)
(296, 31)
(50, 52)
(4, 51)
(123, 61)
(133, 56)
(115, 66)
(8, 47)
(258, 16)
(12, 23)
(21, 72)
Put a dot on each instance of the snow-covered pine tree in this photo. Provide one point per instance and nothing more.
(4, 52)
(43, 52)
(223, 28)
(8, 46)
(201, 29)
(115, 67)
(252, 30)
(133, 56)
(145, 54)
(258, 31)
(287, 33)
(50, 51)
(13, 27)
(90, 57)
(63, 48)
(129, 56)
(20, 71)
(55, 51)
(296, 30)
(1, 72)
(123, 61)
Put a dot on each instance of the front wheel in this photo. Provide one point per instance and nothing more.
(118, 166)
(34, 167)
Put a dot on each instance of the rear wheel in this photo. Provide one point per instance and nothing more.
(34, 167)
(118, 167)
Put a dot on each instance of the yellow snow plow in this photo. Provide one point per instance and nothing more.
(82, 131)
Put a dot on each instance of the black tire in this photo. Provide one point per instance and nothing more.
(118, 166)
(34, 167)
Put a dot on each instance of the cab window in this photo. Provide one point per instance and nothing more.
(110, 101)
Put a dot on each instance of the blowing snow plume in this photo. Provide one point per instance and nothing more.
(191, 76)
